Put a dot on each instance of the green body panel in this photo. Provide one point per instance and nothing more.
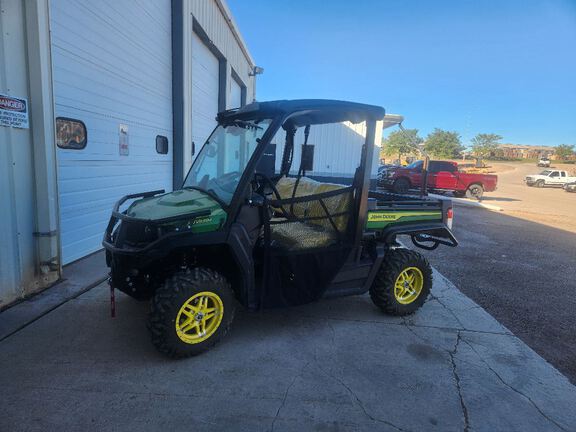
(181, 202)
(381, 219)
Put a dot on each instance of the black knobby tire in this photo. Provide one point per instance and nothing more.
(401, 185)
(475, 191)
(169, 298)
(383, 287)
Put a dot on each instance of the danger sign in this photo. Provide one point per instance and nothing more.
(13, 112)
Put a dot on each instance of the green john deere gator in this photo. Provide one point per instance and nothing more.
(248, 229)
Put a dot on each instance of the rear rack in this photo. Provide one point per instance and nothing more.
(389, 200)
(424, 235)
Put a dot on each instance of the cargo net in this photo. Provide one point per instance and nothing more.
(311, 221)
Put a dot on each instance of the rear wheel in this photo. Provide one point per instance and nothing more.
(475, 191)
(401, 186)
(403, 282)
(191, 312)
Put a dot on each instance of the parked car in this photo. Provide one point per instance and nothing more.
(570, 187)
(550, 178)
(544, 162)
(442, 177)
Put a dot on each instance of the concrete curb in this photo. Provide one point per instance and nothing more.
(468, 203)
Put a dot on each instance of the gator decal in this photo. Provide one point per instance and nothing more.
(378, 219)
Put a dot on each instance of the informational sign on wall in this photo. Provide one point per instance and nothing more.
(13, 112)
(123, 139)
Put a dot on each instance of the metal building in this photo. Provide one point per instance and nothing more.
(97, 100)
(337, 150)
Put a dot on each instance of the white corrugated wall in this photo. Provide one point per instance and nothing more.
(210, 16)
(337, 149)
(213, 20)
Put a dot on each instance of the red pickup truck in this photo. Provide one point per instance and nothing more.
(442, 177)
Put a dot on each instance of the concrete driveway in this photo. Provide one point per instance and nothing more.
(337, 365)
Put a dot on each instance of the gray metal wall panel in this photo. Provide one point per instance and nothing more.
(17, 177)
(213, 22)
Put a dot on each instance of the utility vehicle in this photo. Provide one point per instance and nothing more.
(442, 176)
(246, 229)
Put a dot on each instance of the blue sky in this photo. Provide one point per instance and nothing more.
(505, 67)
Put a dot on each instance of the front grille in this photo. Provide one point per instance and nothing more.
(136, 234)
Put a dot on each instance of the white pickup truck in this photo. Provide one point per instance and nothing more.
(549, 178)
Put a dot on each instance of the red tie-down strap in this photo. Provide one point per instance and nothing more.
(112, 299)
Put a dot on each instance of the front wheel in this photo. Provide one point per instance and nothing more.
(403, 282)
(190, 312)
(540, 183)
(475, 191)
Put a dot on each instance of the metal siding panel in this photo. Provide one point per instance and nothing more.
(112, 65)
(17, 244)
(214, 24)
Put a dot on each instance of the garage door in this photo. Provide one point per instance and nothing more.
(112, 71)
(205, 85)
(235, 97)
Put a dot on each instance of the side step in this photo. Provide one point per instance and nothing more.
(356, 277)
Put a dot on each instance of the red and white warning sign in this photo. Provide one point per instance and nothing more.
(13, 112)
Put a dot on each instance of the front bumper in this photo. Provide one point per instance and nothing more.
(385, 181)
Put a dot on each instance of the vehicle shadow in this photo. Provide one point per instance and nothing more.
(501, 199)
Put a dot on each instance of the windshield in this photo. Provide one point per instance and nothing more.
(545, 172)
(415, 165)
(220, 164)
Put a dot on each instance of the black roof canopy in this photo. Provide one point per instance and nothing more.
(305, 111)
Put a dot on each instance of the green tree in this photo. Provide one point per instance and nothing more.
(443, 144)
(564, 151)
(401, 142)
(485, 144)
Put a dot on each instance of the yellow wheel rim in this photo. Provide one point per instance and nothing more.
(408, 285)
(199, 317)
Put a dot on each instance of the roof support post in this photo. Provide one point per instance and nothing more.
(366, 171)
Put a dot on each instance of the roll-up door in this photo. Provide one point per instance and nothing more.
(205, 87)
(112, 65)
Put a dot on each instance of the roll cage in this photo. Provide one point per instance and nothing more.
(290, 115)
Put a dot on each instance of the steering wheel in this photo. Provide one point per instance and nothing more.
(265, 181)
